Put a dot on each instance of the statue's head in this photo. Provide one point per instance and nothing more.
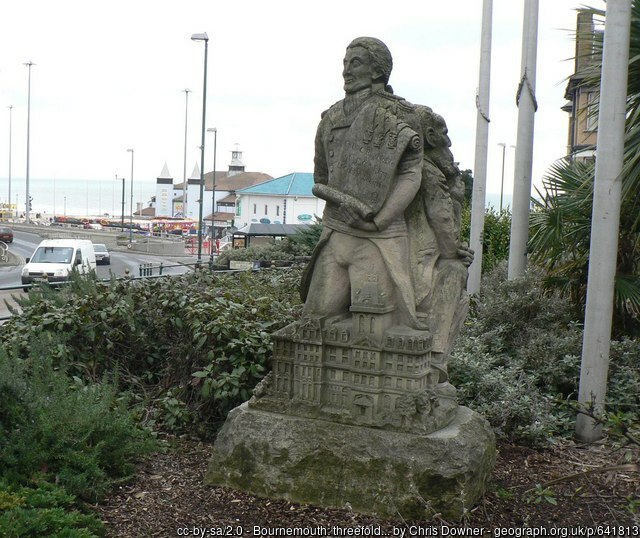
(367, 63)
(436, 140)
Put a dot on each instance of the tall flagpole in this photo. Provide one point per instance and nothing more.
(527, 107)
(605, 220)
(482, 141)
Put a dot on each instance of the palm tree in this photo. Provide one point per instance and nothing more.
(561, 221)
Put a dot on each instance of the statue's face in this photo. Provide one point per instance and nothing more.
(358, 72)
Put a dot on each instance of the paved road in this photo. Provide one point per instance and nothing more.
(24, 244)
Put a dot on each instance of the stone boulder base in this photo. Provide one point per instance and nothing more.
(373, 471)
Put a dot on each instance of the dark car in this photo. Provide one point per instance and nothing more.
(6, 234)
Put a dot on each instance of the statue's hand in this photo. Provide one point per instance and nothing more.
(465, 254)
(351, 217)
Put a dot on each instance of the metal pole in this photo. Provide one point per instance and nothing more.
(214, 130)
(122, 213)
(204, 115)
(504, 150)
(605, 220)
(10, 107)
(28, 199)
(184, 168)
(480, 164)
(131, 202)
(524, 144)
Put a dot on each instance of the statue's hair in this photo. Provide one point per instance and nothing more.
(380, 54)
(428, 118)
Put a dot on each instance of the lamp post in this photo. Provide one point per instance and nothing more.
(27, 199)
(122, 214)
(184, 168)
(503, 145)
(131, 205)
(213, 130)
(10, 107)
(202, 37)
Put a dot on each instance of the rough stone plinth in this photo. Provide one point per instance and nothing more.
(371, 470)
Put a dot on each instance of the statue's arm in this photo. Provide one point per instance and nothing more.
(405, 189)
(440, 214)
(321, 169)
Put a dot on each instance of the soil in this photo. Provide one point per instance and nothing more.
(566, 485)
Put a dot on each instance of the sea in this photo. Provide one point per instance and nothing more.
(77, 197)
(103, 197)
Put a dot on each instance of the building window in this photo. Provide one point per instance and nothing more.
(277, 211)
(255, 209)
(238, 210)
(266, 209)
(591, 121)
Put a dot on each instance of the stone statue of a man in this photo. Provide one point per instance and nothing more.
(358, 407)
(368, 166)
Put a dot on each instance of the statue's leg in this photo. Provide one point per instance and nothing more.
(447, 305)
(329, 287)
(367, 265)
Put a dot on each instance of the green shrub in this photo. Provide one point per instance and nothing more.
(518, 358)
(300, 244)
(43, 510)
(495, 236)
(191, 347)
(78, 435)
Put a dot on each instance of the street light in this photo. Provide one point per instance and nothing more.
(122, 214)
(202, 37)
(213, 130)
(503, 145)
(131, 216)
(10, 107)
(27, 199)
(184, 169)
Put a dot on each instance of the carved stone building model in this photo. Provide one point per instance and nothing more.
(361, 370)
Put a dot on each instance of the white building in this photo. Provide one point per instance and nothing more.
(284, 200)
(168, 199)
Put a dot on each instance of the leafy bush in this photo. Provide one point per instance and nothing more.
(191, 347)
(61, 429)
(43, 510)
(495, 236)
(518, 358)
(300, 244)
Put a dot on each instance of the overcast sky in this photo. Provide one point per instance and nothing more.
(110, 76)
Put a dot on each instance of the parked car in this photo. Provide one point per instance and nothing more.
(6, 234)
(102, 254)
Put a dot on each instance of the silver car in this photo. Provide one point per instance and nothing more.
(102, 254)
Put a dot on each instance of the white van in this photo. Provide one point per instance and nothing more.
(54, 259)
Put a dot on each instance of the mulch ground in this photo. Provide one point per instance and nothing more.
(167, 497)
